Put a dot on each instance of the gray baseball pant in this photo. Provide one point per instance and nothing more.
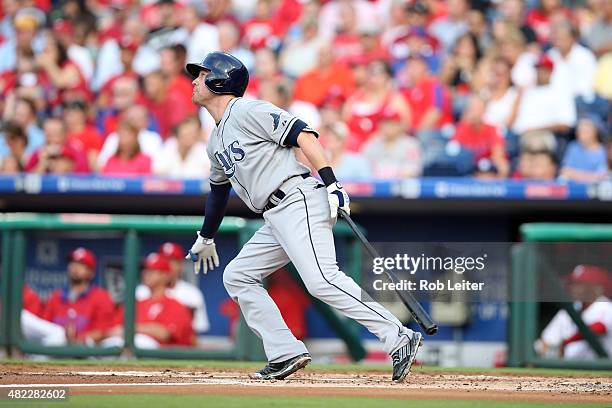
(299, 230)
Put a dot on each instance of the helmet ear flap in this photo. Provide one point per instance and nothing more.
(214, 84)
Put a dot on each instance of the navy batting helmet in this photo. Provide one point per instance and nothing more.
(228, 76)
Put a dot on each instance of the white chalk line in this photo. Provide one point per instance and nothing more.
(203, 376)
(279, 384)
(92, 385)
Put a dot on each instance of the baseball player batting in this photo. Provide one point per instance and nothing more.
(250, 149)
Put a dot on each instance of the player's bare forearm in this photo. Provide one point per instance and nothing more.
(95, 335)
(115, 331)
(312, 149)
(155, 330)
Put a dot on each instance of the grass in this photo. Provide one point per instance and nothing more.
(225, 401)
(217, 364)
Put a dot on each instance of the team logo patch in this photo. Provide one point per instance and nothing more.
(276, 119)
(228, 157)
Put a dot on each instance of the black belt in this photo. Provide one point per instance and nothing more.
(279, 194)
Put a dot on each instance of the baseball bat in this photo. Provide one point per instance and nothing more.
(418, 313)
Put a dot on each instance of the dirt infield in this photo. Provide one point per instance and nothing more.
(133, 379)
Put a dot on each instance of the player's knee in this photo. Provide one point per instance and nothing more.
(320, 288)
(229, 280)
(56, 337)
(237, 280)
(316, 289)
(233, 279)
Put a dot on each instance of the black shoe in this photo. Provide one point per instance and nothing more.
(279, 371)
(404, 357)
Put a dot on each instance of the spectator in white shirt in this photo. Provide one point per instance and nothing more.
(229, 42)
(300, 55)
(513, 48)
(545, 107)
(184, 154)
(279, 93)
(26, 35)
(449, 28)
(502, 101)
(77, 53)
(575, 64)
(198, 38)
(145, 61)
(599, 37)
(150, 142)
(393, 154)
(331, 14)
(347, 165)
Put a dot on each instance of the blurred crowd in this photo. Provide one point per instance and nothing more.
(397, 88)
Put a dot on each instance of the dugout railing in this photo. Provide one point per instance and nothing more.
(536, 282)
(14, 233)
(15, 228)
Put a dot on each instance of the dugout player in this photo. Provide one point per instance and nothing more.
(184, 292)
(34, 327)
(160, 320)
(84, 310)
(590, 287)
(251, 150)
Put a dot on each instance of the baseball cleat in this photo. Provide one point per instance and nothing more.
(279, 371)
(404, 357)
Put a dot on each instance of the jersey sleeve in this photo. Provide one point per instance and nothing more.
(104, 316)
(217, 175)
(142, 292)
(556, 331)
(603, 314)
(50, 307)
(31, 301)
(272, 123)
(118, 316)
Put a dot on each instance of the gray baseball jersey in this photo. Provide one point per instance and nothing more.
(248, 148)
